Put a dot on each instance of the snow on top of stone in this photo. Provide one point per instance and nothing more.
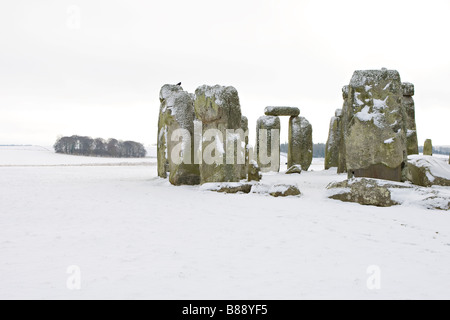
(362, 78)
(216, 92)
(338, 113)
(269, 121)
(438, 167)
(389, 141)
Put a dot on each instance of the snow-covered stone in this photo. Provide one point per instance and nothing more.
(428, 171)
(375, 114)
(300, 147)
(363, 191)
(332, 148)
(297, 169)
(268, 145)
(227, 187)
(410, 112)
(254, 171)
(218, 108)
(282, 111)
(176, 112)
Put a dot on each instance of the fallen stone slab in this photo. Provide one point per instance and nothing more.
(230, 187)
(427, 171)
(282, 111)
(278, 190)
(296, 169)
(368, 192)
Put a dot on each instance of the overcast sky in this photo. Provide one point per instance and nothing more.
(95, 67)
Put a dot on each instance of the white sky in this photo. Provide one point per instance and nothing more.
(103, 79)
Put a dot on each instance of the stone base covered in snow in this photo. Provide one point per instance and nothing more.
(427, 171)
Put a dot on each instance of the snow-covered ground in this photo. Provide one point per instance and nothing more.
(134, 236)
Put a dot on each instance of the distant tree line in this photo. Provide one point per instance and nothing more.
(318, 149)
(438, 150)
(86, 146)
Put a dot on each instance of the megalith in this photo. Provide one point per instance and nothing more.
(282, 111)
(219, 110)
(300, 146)
(375, 140)
(428, 148)
(175, 137)
(346, 116)
(333, 145)
(412, 144)
(268, 143)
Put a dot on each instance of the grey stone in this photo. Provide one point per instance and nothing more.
(342, 163)
(271, 149)
(297, 169)
(254, 171)
(427, 171)
(282, 111)
(428, 148)
(284, 190)
(332, 148)
(363, 191)
(176, 112)
(411, 129)
(244, 126)
(219, 108)
(375, 137)
(300, 148)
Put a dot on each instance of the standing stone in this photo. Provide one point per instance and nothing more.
(219, 110)
(428, 148)
(333, 145)
(268, 145)
(244, 126)
(375, 140)
(176, 112)
(300, 148)
(254, 171)
(412, 143)
(346, 113)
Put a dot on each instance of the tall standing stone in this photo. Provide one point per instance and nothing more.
(175, 137)
(333, 145)
(346, 116)
(375, 140)
(412, 144)
(428, 148)
(268, 143)
(300, 147)
(219, 110)
(244, 126)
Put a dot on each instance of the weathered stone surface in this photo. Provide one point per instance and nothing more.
(244, 126)
(332, 148)
(411, 129)
(427, 171)
(219, 110)
(176, 112)
(268, 145)
(428, 148)
(284, 190)
(282, 111)
(375, 137)
(229, 187)
(342, 164)
(300, 148)
(408, 89)
(297, 169)
(254, 171)
(363, 191)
